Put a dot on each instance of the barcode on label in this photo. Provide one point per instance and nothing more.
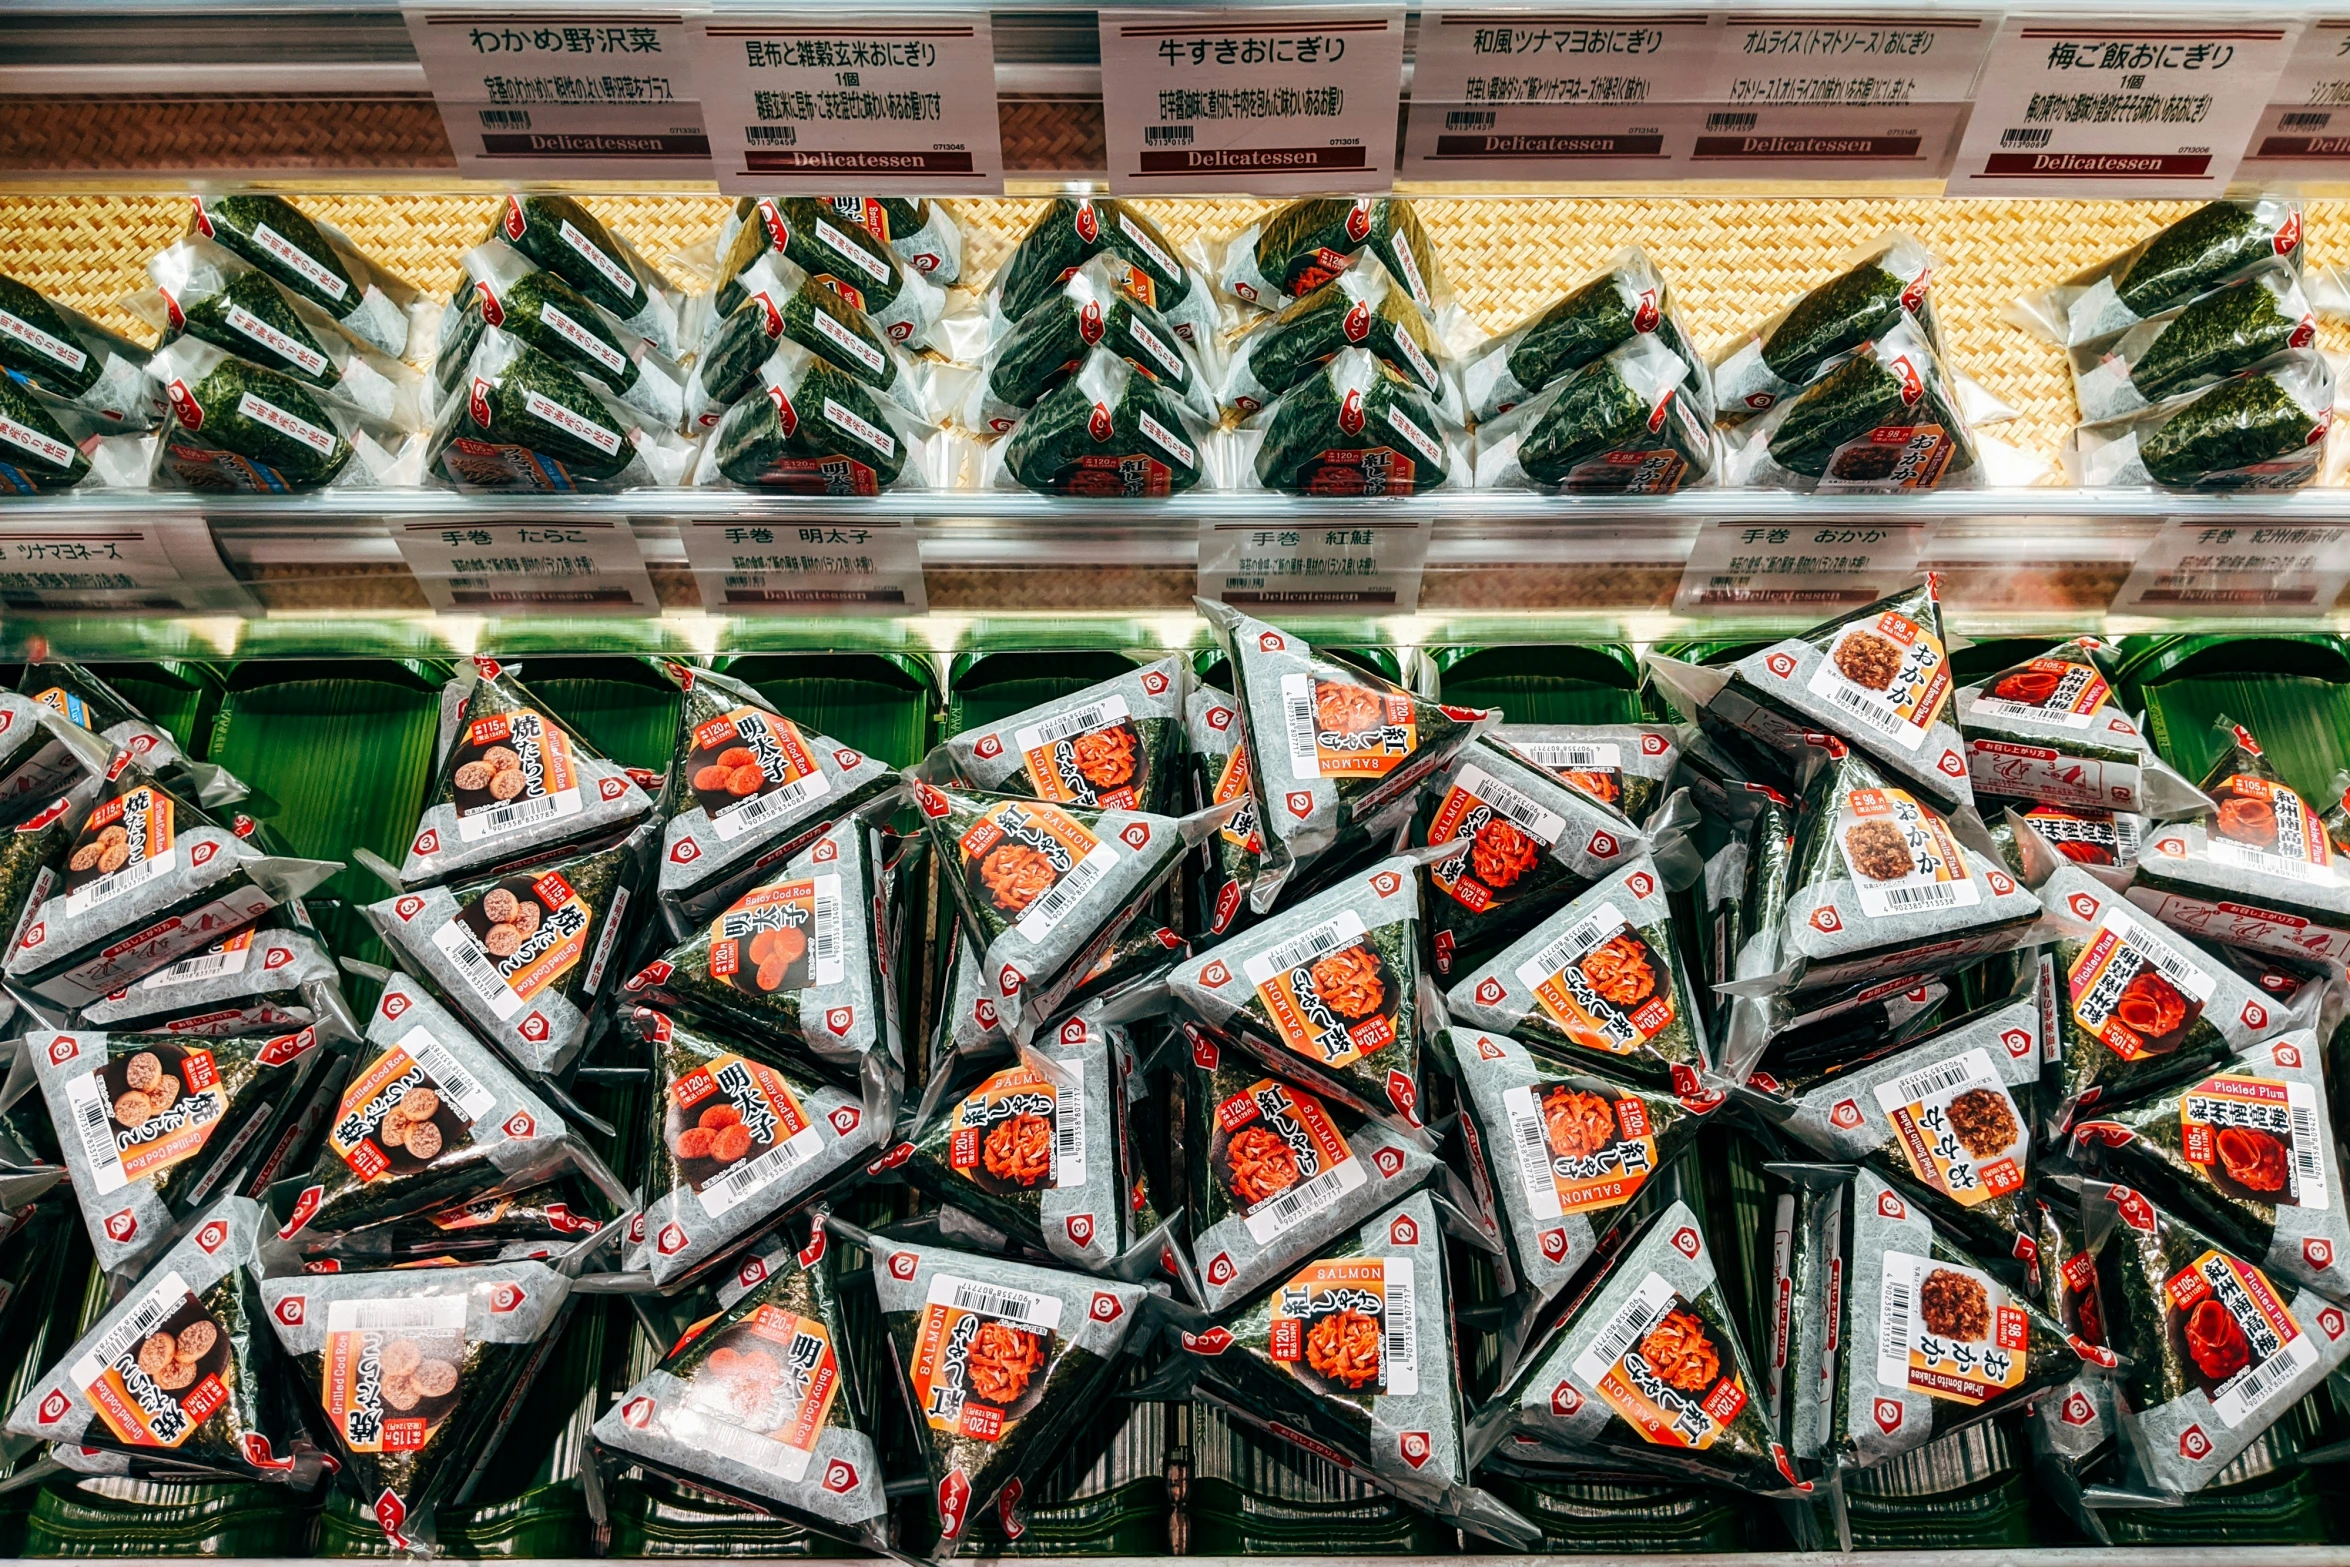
(1298, 703)
(1166, 135)
(2309, 1171)
(477, 825)
(1055, 906)
(1399, 1354)
(746, 1180)
(1068, 1137)
(771, 135)
(826, 946)
(732, 821)
(1730, 122)
(1925, 895)
(136, 874)
(2018, 136)
(722, 1437)
(1533, 1139)
(505, 119)
(2150, 945)
(1893, 1323)
(481, 976)
(1624, 1331)
(1863, 706)
(2305, 120)
(1583, 936)
(169, 1294)
(1468, 119)
(1317, 943)
(1009, 1305)
(1933, 1079)
(1566, 756)
(2268, 862)
(1069, 725)
(97, 1134)
(2261, 1384)
(1301, 1202)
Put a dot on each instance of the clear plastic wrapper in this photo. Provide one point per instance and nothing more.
(523, 419)
(1622, 425)
(2104, 843)
(1353, 427)
(721, 825)
(429, 1117)
(1336, 755)
(477, 817)
(42, 754)
(525, 956)
(541, 1223)
(2209, 339)
(2215, 244)
(1228, 861)
(241, 427)
(183, 1372)
(2247, 1153)
(1304, 244)
(1109, 303)
(154, 1126)
(1043, 1152)
(796, 963)
(44, 448)
(740, 1135)
(565, 238)
(519, 296)
(1626, 766)
(1108, 430)
(837, 250)
(32, 861)
(2260, 429)
(1328, 992)
(999, 1363)
(781, 301)
(1565, 1152)
(1629, 299)
(203, 290)
(2050, 729)
(1886, 417)
(2074, 1426)
(1601, 983)
(1072, 231)
(1522, 842)
(763, 1405)
(2255, 868)
(1281, 1170)
(416, 1375)
(2213, 1351)
(1351, 1357)
(151, 877)
(806, 428)
(1645, 1368)
(1877, 676)
(1884, 281)
(1949, 1119)
(91, 704)
(921, 232)
(1118, 743)
(315, 261)
(1361, 306)
(64, 354)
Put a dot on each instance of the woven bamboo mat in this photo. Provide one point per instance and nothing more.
(1731, 261)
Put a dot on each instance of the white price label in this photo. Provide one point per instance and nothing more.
(815, 103)
(1780, 567)
(564, 95)
(1360, 566)
(2108, 106)
(167, 567)
(2195, 568)
(2304, 134)
(1270, 102)
(493, 568)
(1556, 95)
(783, 568)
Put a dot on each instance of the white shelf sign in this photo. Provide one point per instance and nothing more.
(2107, 106)
(587, 567)
(1777, 567)
(1556, 95)
(2304, 134)
(858, 104)
(564, 95)
(785, 568)
(2197, 568)
(1270, 102)
(112, 567)
(1367, 565)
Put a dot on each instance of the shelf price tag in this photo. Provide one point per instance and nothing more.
(2304, 133)
(583, 567)
(115, 567)
(564, 95)
(2193, 567)
(828, 104)
(2109, 106)
(1563, 96)
(1267, 102)
(1777, 567)
(866, 567)
(1372, 565)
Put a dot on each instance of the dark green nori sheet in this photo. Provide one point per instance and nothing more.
(499, 415)
(788, 223)
(1598, 412)
(2193, 254)
(233, 220)
(209, 420)
(1070, 233)
(1051, 342)
(1312, 330)
(534, 225)
(1332, 435)
(28, 462)
(22, 359)
(522, 311)
(1848, 310)
(2227, 330)
(1298, 244)
(208, 318)
(1856, 397)
(1070, 444)
(2236, 424)
(1603, 314)
(734, 352)
(792, 440)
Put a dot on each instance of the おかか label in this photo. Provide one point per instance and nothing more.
(980, 1357)
(2133, 990)
(514, 770)
(1281, 1157)
(1600, 983)
(1901, 856)
(750, 768)
(1948, 1331)
(1020, 1131)
(1327, 991)
(1502, 834)
(2245, 1345)
(2256, 1137)
(1089, 756)
(736, 1130)
(762, 1391)
(1658, 1365)
(1958, 1128)
(1340, 729)
(142, 1114)
(1890, 674)
(1349, 1325)
(408, 1105)
(155, 1377)
(1578, 1150)
(389, 1370)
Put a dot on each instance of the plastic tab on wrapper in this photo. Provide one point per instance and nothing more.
(2216, 243)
